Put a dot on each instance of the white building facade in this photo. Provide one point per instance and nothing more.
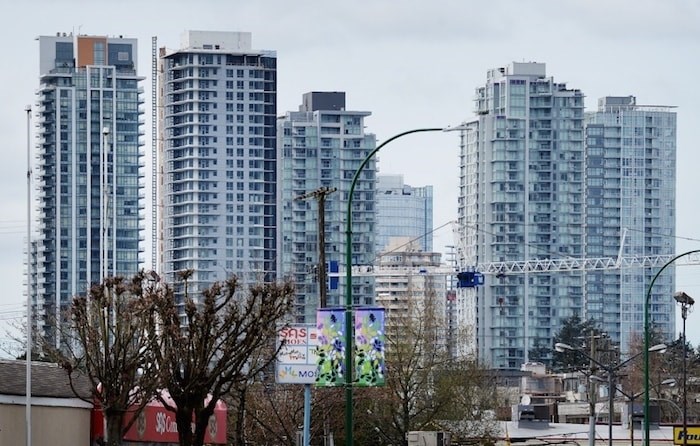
(630, 201)
(217, 159)
(521, 198)
(412, 286)
(321, 146)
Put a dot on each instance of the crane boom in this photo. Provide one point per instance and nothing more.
(532, 266)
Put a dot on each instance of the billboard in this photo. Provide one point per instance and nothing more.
(296, 361)
(693, 434)
(156, 424)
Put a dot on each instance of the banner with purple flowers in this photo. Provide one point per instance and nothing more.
(330, 353)
(369, 347)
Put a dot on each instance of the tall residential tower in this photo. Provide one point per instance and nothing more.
(89, 172)
(522, 197)
(217, 106)
(630, 209)
(322, 145)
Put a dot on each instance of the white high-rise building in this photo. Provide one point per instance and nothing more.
(321, 146)
(412, 287)
(217, 158)
(89, 177)
(539, 180)
(522, 197)
(630, 200)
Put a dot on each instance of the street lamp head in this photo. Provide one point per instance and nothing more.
(684, 299)
(462, 126)
(661, 348)
(560, 347)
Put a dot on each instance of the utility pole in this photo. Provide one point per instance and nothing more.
(591, 394)
(320, 195)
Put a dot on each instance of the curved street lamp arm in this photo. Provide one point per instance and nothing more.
(349, 350)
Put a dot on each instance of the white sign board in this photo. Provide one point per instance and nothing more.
(296, 362)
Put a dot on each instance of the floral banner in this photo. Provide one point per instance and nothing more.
(369, 347)
(330, 353)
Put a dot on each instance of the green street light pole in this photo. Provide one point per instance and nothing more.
(349, 335)
(646, 342)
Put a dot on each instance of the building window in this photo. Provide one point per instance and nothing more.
(99, 53)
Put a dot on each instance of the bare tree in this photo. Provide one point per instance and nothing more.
(220, 341)
(471, 389)
(414, 353)
(108, 342)
(427, 388)
(274, 413)
(665, 374)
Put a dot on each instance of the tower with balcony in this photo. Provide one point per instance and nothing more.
(89, 176)
(217, 159)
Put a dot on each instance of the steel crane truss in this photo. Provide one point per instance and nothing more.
(528, 266)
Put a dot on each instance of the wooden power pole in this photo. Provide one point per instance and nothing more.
(320, 195)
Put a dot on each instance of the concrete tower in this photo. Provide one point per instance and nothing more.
(217, 159)
(522, 197)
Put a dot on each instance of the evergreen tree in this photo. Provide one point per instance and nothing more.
(576, 333)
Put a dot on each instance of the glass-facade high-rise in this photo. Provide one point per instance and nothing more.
(89, 176)
(217, 157)
(630, 210)
(521, 198)
(403, 211)
(321, 146)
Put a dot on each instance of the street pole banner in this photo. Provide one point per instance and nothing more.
(369, 347)
(330, 329)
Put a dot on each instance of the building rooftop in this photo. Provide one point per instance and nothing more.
(48, 380)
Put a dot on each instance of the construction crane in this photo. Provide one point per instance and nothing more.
(473, 274)
(527, 266)
(470, 277)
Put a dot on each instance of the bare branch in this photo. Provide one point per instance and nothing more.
(226, 339)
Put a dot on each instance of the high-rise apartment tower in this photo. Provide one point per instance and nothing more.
(630, 210)
(522, 197)
(89, 176)
(217, 106)
(403, 211)
(321, 146)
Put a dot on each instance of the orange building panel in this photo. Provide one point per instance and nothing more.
(86, 49)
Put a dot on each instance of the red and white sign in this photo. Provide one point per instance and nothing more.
(156, 424)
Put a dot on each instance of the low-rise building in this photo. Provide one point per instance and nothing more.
(58, 416)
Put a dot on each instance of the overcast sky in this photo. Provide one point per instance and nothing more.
(411, 63)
